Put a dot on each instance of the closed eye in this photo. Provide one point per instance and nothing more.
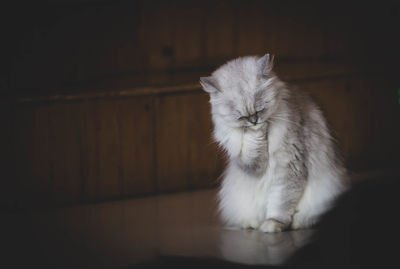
(260, 108)
(260, 111)
(246, 117)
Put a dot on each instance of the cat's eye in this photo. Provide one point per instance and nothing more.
(261, 107)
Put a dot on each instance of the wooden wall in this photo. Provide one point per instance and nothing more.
(63, 44)
(107, 148)
(100, 99)
(96, 149)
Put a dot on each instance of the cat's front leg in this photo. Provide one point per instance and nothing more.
(288, 180)
(254, 151)
(229, 138)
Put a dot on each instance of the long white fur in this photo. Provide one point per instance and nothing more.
(255, 201)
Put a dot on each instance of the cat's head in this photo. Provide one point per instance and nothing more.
(243, 92)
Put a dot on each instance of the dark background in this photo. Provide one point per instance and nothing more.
(100, 99)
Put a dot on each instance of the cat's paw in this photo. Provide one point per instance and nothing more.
(251, 224)
(258, 129)
(272, 226)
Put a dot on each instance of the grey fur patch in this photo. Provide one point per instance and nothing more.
(256, 167)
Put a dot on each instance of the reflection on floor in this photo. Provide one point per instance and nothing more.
(123, 233)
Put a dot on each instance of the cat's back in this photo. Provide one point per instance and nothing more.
(322, 151)
(312, 120)
(310, 111)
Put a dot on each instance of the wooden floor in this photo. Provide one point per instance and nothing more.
(124, 233)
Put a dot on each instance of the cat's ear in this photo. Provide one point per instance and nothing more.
(209, 84)
(265, 64)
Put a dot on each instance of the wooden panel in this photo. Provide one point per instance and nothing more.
(172, 130)
(32, 151)
(84, 151)
(136, 123)
(108, 185)
(332, 98)
(108, 40)
(157, 34)
(294, 33)
(189, 35)
(90, 42)
(205, 162)
(185, 155)
(361, 132)
(100, 150)
(65, 151)
(40, 154)
(220, 32)
(73, 151)
(282, 30)
(90, 150)
(379, 111)
(362, 117)
(253, 30)
(339, 37)
(117, 148)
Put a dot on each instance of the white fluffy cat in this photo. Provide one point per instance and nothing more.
(283, 170)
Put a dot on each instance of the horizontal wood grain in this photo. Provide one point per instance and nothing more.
(301, 71)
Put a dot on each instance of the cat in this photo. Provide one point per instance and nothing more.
(283, 169)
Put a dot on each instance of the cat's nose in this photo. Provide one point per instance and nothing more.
(253, 119)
